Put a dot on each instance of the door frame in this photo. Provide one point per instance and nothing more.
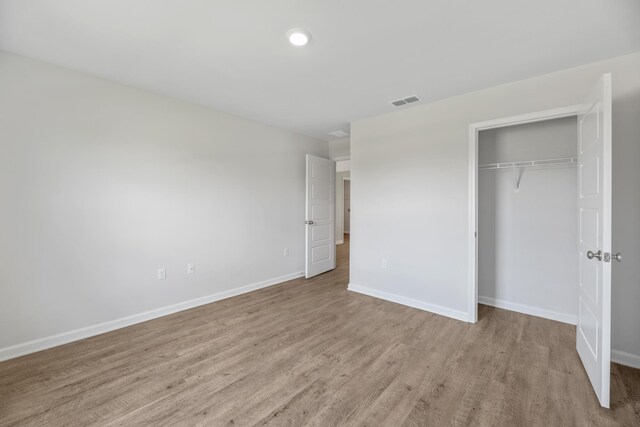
(344, 179)
(341, 240)
(474, 130)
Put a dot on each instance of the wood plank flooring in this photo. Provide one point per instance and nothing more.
(308, 352)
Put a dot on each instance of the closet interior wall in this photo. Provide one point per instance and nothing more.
(527, 235)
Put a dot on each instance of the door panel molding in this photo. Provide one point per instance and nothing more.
(320, 249)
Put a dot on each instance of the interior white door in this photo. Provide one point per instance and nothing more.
(593, 339)
(320, 214)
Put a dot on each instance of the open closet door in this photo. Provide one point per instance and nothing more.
(320, 214)
(593, 339)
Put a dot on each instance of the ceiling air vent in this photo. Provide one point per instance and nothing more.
(339, 133)
(405, 101)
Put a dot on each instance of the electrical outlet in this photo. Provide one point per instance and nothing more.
(191, 268)
(162, 273)
(286, 251)
(384, 263)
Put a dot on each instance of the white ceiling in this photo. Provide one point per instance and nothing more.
(233, 55)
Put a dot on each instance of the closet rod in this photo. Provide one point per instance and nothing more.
(531, 163)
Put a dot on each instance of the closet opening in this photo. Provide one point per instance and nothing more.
(527, 218)
(512, 161)
(536, 181)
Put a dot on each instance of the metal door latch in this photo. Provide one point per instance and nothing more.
(608, 257)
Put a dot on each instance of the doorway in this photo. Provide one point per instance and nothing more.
(527, 186)
(593, 254)
(347, 207)
(343, 217)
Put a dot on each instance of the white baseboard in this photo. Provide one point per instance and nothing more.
(626, 359)
(432, 308)
(101, 328)
(527, 309)
(339, 242)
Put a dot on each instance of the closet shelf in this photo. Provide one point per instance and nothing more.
(530, 163)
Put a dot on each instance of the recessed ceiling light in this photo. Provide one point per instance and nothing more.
(298, 37)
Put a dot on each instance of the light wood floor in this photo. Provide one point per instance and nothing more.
(310, 353)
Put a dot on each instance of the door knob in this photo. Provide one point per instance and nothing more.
(617, 257)
(308, 222)
(592, 255)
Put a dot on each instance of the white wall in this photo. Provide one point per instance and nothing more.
(340, 148)
(101, 184)
(343, 165)
(410, 169)
(527, 238)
